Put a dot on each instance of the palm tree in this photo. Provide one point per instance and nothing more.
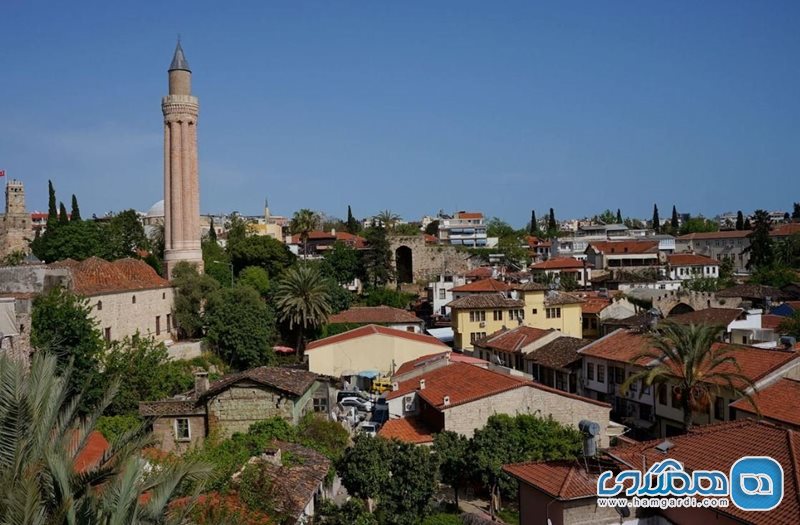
(303, 299)
(697, 369)
(304, 222)
(42, 436)
(388, 219)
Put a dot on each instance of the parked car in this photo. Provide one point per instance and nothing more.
(351, 393)
(358, 402)
(369, 428)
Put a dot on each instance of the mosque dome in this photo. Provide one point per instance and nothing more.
(156, 210)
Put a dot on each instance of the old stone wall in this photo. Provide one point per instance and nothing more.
(147, 311)
(565, 409)
(238, 407)
(32, 279)
(430, 260)
(164, 432)
(696, 300)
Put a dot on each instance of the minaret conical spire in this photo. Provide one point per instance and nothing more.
(179, 61)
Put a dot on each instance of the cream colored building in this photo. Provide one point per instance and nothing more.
(371, 348)
(477, 315)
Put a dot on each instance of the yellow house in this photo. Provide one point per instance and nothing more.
(479, 314)
(369, 349)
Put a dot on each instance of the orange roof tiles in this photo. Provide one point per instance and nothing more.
(374, 314)
(753, 362)
(625, 247)
(620, 345)
(372, 330)
(408, 429)
(707, 316)
(595, 305)
(564, 480)
(772, 321)
(481, 272)
(561, 263)
(469, 215)
(482, 286)
(453, 357)
(95, 276)
(732, 234)
(718, 446)
(778, 401)
(691, 259)
(92, 453)
(513, 340)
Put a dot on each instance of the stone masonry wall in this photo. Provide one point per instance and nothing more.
(235, 409)
(164, 432)
(429, 260)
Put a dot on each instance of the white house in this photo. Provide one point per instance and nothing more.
(686, 266)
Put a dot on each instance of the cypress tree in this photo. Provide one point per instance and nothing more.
(212, 232)
(534, 230)
(76, 211)
(552, 227)
(52, 210)
(63, 218)
(619, 216)
(656, 220)
(352, 224)
(674, 223)
(747, 225)
(739, 220)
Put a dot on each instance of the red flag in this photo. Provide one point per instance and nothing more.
(2, 173)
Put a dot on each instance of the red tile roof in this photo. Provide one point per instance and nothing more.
(95, 276)
(483, 286)
(595, 305)
(707, 316)
(564, 480)
(691, 259)
(771, 321)
(408, 429)
(92, 453)
(513, 340)
(453, 357)
(481, 272)
(785, 230)
(561, 263)
(777, 402)
(347, 238)
(485, 300)
(374, 314)
(625, 247)
(732, 234)
(469, 215)
(718, 446)
(753, 362)
(372, 330)
(620, 345)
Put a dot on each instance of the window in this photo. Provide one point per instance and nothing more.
(662, 394)
(498, 315)
(182, 432)
(442, 294)
(410, 329)
(619, 375)
(534, 311)
(474, 336)
(719, 408)
(320, 404)
(590, 371)
(477, 316)
(634, 385)
(553, 313)
(133, 299)
(107, 334)
(601, 373)
(99, 305)
(169, 322)
(163, 295)
(676, 397)
(561, 381)
(158, 325)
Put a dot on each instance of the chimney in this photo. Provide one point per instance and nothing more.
(200, 382)
(333, 232)
(446, 401)
(395, 386)
(274, 456)
(422, 384)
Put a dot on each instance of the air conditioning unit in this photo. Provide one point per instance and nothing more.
(409, 406)
(482, 324)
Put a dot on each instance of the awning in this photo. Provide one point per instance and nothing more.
(283, 349)
(369, 374)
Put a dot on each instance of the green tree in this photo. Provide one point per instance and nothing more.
(364, 468)
(376, 260)
(607, 217)
(61, 324)
(352, 512)
(533, 228)
(237, 230)
(63, 217)
(303, 223)
(145, 371)
(382, 296)
(496, 227)
(406, 498)
(191, 292)
(796, 211)
(341, 263)
(352, 224)
(698, 224)
(552, 225)
(791, 325)
(216, 262)
(775, 274)
(77, 240)
(125, 236)
(240, 327)
(761, 245)
(747, 225)
(787, 251)
(453, 453)
(43, 436)
(52, 210)
(568, 282)
(690, 364)
(739, 220)
(212, 232)
(674, 222)
(432, 228)
(256, 278)
(261, 250)
(76, 211)
(619, 216)
(387, 219)
(303, 300)
(656, 220)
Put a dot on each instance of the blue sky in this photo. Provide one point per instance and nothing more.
(412, 106)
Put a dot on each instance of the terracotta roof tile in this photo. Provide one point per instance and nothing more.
(483, 285)
(372, 330)
(486, 301)
(513, 340)
(691, 259)
(620, 345)
(481, 272)
(717, 447)
(771, 321)
(556, 298)
(530, 286)
(560, 263)
(625, 247)
(564, 480)
(753, 362)
(95, 276)
(290, 380)
(469, 215)
(374, 314)
(559, 353)
(407, 429)
(453, 357)
(778, 402)
(595, 305)
(700, 236)
(708, 316)
(92, 453)
(753, 291)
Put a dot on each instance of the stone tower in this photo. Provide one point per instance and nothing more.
(15, 227)
(181, 186)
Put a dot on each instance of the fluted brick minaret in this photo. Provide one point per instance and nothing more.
(181, 186)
